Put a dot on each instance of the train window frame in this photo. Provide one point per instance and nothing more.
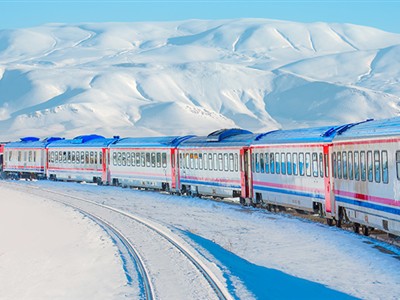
(370, 166)
(257, 162)
(100, 158)
(283, 163)
(321, 165)
(363, 165)
(30, 156)
(344, 161)
(262, 164)
(398, 164)
(128, 158)
(315, 164)
(220, 162)
(253, 162)
(73, 160)
(138, 159)
(236, 162)
(25, 155)
(272, 163)
(307, 162)
(277, 163)
(385, 167)
(334, 165)
(377, 166)
(133, 158)
(301, 164)
(123, 158)
(266, 155)
(205, 161)
(339, 164)
(210, 162)
(289, 169)
(231, 162)
(357, 166)
(153, 159)
(164, 160)
(148, 159)
(295, 164)
(143, 159)
(158, 160)
(226, 162)
(201, 161)
(215, 162)
(82, 157)
(350, 159)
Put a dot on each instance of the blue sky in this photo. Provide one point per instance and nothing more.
(27, 13)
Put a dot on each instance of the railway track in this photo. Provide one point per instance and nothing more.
(148, 290)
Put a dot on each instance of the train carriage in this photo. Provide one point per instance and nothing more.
(1, 157)
(149, 162)
(291, 169)
(217, 165)
(27, 157)
(366, 172)
(83, 158)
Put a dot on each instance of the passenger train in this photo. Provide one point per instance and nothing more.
(347, 173)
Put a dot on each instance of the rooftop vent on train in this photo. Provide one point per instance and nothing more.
(86, 138)
(29, 139)
(222, 134)
(52, 139)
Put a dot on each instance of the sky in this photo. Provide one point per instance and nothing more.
(382, 14)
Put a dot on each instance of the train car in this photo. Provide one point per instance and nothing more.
(217, 165)
(26, 158)
(366, 171)
(149, 162)
(1, 157)
(290, 168)
(83, 158)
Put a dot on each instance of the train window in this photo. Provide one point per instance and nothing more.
(370, 166)
(231, 162)
(215, 162)
(180, 160)
(205, 161)
(210, 161)
(266, 163)
(19, 155)
(142, 159)
(82, 157)
(321, 166)
(295, 164)
(363, 166)
(164, 160)
(128, 158)
(356, 165)
(34, 156)
(277, 164)
(30, 156)
(123, 158)
(95, 158)
(186, 160)
(69, 156)
(73, 157)
(91, 157)
(100, 158)
(119, 158)
(148, 159)
(226, 162)
(52, 156)
(257, 169)
(158, 160)
(133, 159)
(201, 161)
(314, 164)
(153, 160)
(308, 164)
(272, 163)
(350, 165)
(262, 165)
(114, 160)
(339, 164)
(385, 167)
(289, 163)
(220, 162)
(56, 156)
(191, 163)
(25, 156)
(344, 155)
(236, 163)
(398, 164)
(10, 156)
(87, 157)
(334, 165)
(377, 166)
(301, 164)
(283, 164)
(253, 163)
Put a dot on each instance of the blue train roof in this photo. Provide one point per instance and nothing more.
(373, 128)
(32, 142)
(223, 137)
(91, 140)
(153, 142)
(301, 135)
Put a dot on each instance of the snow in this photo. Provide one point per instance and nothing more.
(260, 254)
(193, 77)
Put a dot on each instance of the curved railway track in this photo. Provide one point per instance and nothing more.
(148, 291)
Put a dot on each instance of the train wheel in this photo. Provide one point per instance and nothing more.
(365, 230)
(329, 222)
(356, 227)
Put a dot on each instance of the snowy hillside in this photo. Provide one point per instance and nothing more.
(193, 76)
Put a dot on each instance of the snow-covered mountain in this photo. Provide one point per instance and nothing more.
(195, 76)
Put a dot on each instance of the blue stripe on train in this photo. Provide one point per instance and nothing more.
(289, 192)
(219, 184)
(364, 204)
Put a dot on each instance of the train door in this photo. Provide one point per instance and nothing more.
(328, 183)
(245, 174)
(174, 169)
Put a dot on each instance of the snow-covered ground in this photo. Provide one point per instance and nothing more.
(50, 251)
